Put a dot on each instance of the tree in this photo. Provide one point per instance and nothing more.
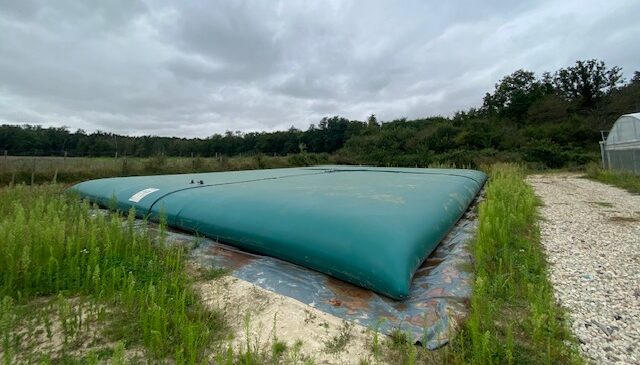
(513, 95)
(587, 81)
(550, 109)
(623, 100)
(372, 121)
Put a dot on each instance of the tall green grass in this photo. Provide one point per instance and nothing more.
(50, 244)
(624, 180)
(514, 318)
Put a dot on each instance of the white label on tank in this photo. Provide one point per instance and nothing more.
(141, 194)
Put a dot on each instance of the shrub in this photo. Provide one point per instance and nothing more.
(546, 152)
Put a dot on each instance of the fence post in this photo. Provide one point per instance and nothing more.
(5, 155)
(125, 167)
(33, 170)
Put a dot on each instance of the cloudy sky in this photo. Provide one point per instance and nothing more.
(191, 68)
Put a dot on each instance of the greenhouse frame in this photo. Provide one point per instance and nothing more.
(621, 149)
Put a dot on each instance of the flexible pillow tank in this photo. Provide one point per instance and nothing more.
(369, 226)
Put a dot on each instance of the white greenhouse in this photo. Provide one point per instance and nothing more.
(621, 149)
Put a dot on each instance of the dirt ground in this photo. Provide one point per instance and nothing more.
(258, 316)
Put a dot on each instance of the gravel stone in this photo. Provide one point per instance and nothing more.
(591, 235)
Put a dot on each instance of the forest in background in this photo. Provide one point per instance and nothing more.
(550, 120)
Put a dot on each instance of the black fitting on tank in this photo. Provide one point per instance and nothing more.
(200, 182)
(191, 182)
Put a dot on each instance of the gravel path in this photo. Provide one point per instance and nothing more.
(591, 234)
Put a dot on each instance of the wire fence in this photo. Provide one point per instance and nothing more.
(38, 169)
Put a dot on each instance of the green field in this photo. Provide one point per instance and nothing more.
(35, 170)
(87, 288)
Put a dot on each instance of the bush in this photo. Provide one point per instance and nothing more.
(459, 158)
(546, 152)
(307, 159)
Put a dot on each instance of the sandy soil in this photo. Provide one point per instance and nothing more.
(246, 304)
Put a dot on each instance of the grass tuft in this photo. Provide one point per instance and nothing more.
(339, 342)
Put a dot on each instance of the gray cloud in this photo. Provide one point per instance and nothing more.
(197, 68)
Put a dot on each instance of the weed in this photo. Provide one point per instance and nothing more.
(338, 342)
(621, 219)
(375, 348)
(309, 316)
(211, 273)
(278, 348)
(603, 204)
(399, 338)
(118, 355)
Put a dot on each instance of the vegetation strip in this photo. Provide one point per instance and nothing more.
(624, 180)
(136, 288)
(514, 318)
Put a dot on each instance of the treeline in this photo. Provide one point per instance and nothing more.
(328, 136)
(554, 119)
